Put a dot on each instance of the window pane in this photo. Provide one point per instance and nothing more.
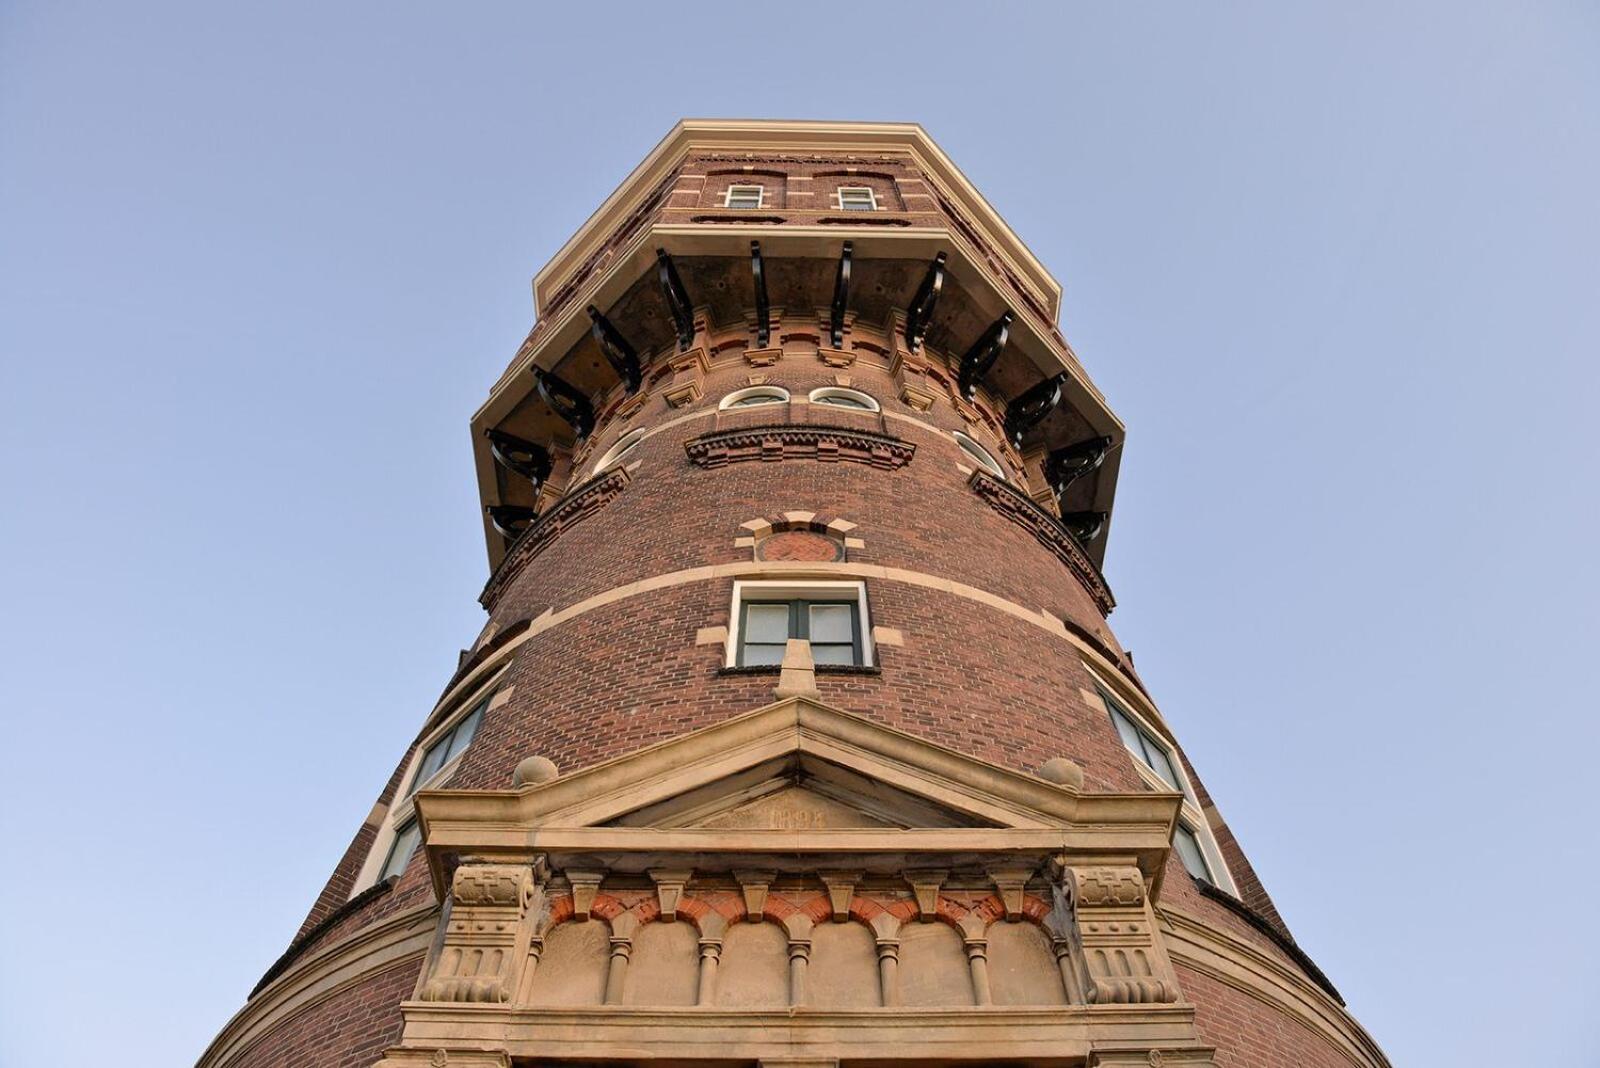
(767, 622)
(843, 402)
(760, 398)
(763, 654)
(461, 737)
(432, 760)
(1156, 757)
(1129, 733)
(405, 844)
(1189, 851)
(833, 623)
(833, 654)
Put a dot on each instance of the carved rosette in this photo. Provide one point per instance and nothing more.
(486, 934)
(1120, 958)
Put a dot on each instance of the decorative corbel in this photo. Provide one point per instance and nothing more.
(841, 298)
(566, 401)
(1084, 526)
(1066, 465)
(841, 889)
(753, 885)
(758, 273)
(1028, 409)
(925, 884)
(669, 889)
(919, 316)
(487, 927)
(519, 456)
(615, 348)
(677, 298)
(510, 519)
(1113, 932)
(1009, 883)
(983, 354)
(585, 887)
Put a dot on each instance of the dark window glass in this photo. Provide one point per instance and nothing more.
(447, 747)
(1189, 851)
(832, 627)
(1151, 753)
(405, 844)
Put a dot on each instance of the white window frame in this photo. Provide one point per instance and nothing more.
(778, 394)
(743, 187)
(404, 808)
(618, 449)
(1189, 813)
(872, 197)
(978, 454)
(798, 590)
(821, 395)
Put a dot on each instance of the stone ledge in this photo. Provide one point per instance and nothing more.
(1021, 510)
(829, 444)
(567, 512)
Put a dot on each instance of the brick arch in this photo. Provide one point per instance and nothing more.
(838, 530)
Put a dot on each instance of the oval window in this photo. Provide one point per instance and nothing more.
(625, 444)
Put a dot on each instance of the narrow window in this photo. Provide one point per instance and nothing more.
(857, 198)
(1151, 753)
(405, 844)
(746, 197)
(447, 747)
(1193, 857)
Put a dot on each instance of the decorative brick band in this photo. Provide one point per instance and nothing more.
(571, 510)
(1020, 509)
(826, 443)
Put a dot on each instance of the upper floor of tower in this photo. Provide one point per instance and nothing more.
(749, 239)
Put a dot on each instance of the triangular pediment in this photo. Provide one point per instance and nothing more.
(798, 765)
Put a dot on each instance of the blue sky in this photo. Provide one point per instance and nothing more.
(1336, 267)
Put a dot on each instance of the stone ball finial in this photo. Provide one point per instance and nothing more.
(1062, 772)
(534, 770)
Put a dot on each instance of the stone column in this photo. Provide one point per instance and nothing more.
(889, 971)
(710, 953)
(978, 961)
(799, 955)
(617, 973)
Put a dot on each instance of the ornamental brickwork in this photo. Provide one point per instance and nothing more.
(938, 817)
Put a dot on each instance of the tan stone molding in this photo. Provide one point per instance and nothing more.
(486, 930)
(1195, 943)
(322, 973)
(572, 509)
(1047, 530)
(1114, 933)
(829, 444)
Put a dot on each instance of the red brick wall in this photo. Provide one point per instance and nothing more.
(1250, 1034)
(969, 676)
(351, 1029)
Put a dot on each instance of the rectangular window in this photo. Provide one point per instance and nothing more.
(1151, 753)
(1193, 857)
(405, 844)
(832, 627)
(447, 747)
(857, 199)
(746, 197)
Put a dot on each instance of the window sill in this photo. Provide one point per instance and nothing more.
(822, 669)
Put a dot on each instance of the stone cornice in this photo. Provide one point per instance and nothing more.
(1017, 507)
(792, 442)
(565, 513)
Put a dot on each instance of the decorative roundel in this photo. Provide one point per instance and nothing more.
(800, 546)
(755, 396)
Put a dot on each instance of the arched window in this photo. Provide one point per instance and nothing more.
(614, 455)
(980, 454)
(754, 397)
(844, 398)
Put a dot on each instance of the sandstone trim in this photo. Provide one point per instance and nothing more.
(827, 444)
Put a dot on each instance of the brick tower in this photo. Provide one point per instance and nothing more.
(796, 733)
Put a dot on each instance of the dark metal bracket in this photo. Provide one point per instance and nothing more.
(511, 519)
(1029, 409)
(981, 357)
(1065, 466)
(520, 456)
(841, 298)
(566, 401)
(618, 353)
(1084, 526)
(677, 299)
(920, 315)
(763, 310)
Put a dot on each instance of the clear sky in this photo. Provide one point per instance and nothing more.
(1335, 267)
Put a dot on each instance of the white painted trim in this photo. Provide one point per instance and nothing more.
(796, 589)
(838, 197)
(970, 447)
(821, 393)
(778, 394)
(761, 195)
(618, 449)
